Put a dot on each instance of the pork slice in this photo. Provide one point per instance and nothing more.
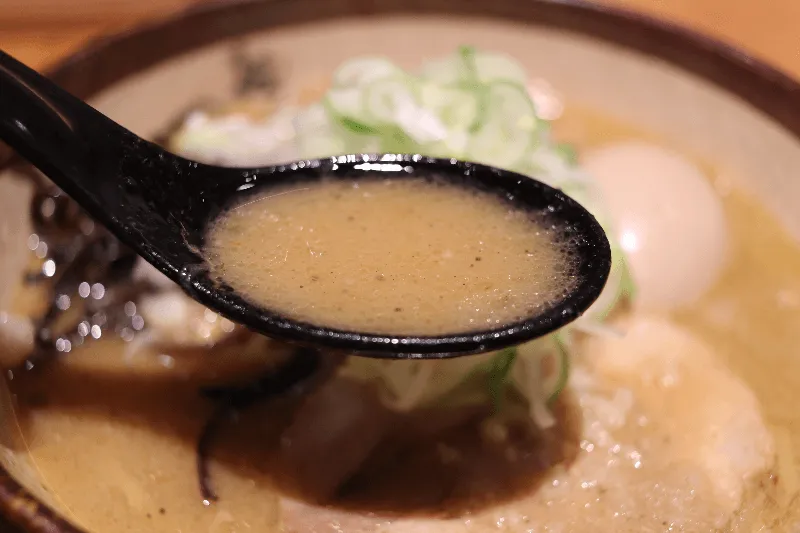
(333, 432)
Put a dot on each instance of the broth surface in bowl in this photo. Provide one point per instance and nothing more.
(403, 256)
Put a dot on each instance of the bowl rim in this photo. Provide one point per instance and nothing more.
(753, 80)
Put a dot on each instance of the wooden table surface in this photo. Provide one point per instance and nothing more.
(41, 31)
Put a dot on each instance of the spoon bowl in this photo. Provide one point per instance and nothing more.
(160, 205)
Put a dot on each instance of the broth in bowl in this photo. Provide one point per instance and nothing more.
(666, 407)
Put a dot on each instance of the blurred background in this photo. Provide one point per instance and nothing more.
(41, 31)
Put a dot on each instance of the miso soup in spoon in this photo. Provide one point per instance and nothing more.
(409, 256)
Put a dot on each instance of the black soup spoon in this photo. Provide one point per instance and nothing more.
(160, 205)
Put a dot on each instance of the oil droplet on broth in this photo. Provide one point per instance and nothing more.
(348, 255)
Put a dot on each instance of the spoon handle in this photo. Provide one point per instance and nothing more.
(45, 124)
(89, 156)
(126, 182)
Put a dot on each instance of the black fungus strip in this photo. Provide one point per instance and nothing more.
(83, 253)
(291, 377)
(207, 434)
(256, 74)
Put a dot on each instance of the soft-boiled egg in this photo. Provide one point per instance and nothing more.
(667, 219)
